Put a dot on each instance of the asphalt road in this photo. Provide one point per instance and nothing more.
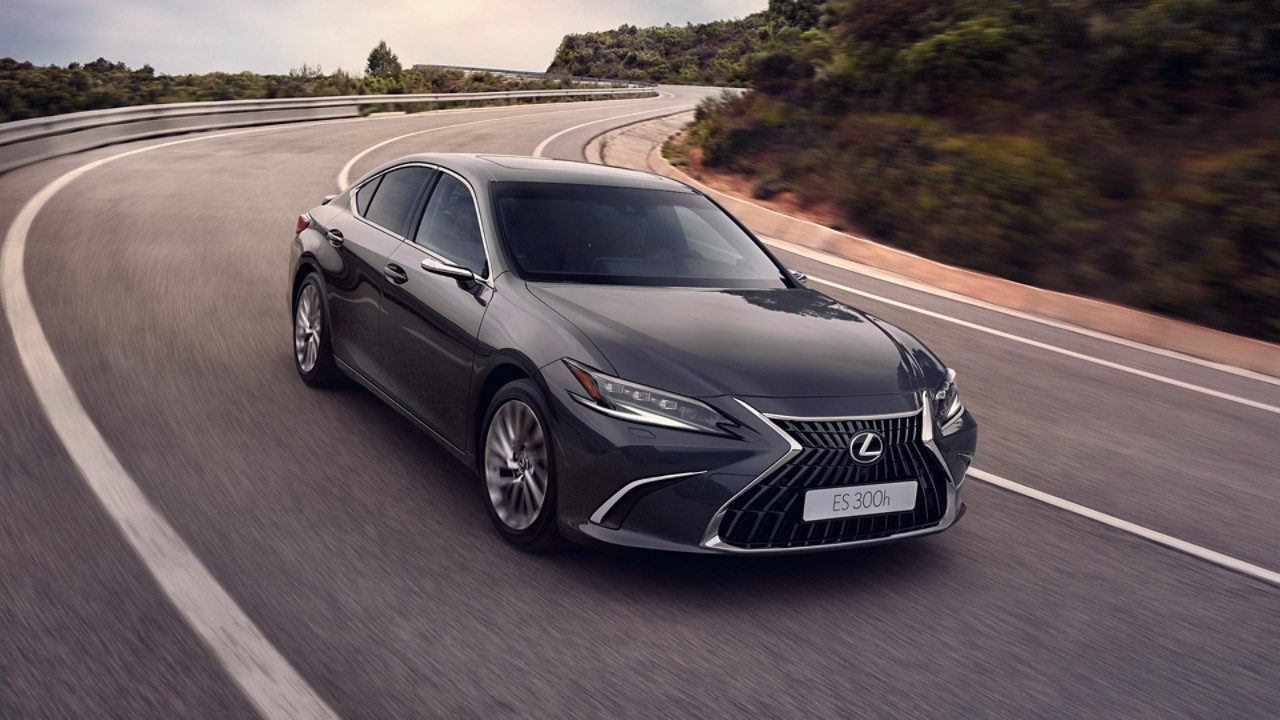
(362, 551)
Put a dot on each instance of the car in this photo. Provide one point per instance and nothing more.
(622, 362)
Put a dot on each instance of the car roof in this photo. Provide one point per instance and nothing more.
(485, 168)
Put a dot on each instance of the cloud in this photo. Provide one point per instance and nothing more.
(179, 36)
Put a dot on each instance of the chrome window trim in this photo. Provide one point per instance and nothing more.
(711, 538)
(597, 517)
(475, 208)
(354, 207)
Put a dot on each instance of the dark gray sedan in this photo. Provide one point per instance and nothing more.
(623, 362)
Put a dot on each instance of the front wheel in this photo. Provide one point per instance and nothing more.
(518, 465)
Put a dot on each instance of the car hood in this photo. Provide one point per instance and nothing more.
(764, 343)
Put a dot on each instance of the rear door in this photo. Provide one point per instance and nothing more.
(364, 238)
(430, 322)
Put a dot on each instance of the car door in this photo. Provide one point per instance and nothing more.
(364, 238)
(430, 321)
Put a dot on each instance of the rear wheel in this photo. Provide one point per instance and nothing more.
(312, 354)
(518, 465)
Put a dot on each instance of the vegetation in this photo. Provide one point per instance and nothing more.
(28, 91)
(382, 62)
(714, 53)
(1128, 150)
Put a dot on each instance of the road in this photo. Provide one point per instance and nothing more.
(362, 553)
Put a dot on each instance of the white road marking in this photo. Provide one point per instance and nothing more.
(537, 152)
(1145, 533)
(344, 175)
(898, 280)
(261, 672)
(273, 686)
(1054, 348)
(903, 281)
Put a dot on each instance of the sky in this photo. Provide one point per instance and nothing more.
(273, 36)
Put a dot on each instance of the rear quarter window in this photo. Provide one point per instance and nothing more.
(394, 198)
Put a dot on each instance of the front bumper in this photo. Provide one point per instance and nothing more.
(655, 488)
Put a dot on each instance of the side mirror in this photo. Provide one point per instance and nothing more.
(440, 267)
(800, 277)
(327, 198)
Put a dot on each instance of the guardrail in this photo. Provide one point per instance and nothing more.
(538, 75)
(30, 141)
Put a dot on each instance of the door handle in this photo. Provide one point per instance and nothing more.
(335, 237)
(395, 274)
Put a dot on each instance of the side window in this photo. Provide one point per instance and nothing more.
(365, 194)
(450, 226)
(393, 199)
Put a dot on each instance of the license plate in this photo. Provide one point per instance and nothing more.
(859, 500)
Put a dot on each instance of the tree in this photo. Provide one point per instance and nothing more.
(383, 62)
(803, 14)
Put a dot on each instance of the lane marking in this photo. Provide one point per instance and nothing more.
(898, 280)
(260, 671)
(1145, 533)
(918, 286)
(344, 175)
(1055, 349)
(257, 668)
(537, 151)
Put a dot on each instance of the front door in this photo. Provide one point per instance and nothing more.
(430, 322)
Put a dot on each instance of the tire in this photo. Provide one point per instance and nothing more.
(312, 351)
(518, 469)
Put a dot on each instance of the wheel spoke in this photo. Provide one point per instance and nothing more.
(306, 329)
(536, 490)
(515, 464)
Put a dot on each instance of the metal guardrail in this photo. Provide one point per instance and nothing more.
(30, 141)
(538, 75)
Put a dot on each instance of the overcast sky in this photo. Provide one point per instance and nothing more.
(272, 36)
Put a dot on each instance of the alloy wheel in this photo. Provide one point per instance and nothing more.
(306, 328)
(515, 465)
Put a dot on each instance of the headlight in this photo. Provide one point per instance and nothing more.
(637, 403)
(946, 400)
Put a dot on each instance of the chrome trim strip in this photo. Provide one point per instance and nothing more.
(488, 278)
(954, 419)
(711, 538)
(712, 534)
(489, 269)
(928, 438)
(887, 416)
(597, 517)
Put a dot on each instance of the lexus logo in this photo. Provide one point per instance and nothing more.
(866, 447)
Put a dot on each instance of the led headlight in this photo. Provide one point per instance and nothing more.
(946, 400)
(641, 404)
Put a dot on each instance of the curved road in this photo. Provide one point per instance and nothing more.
(363, 554)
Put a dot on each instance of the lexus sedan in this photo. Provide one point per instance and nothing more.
(623, 362)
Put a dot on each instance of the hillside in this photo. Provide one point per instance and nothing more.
(713, 53)
(1130, 151)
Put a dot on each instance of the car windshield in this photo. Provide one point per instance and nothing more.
(628, 236)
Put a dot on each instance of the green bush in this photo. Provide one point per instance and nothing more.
(1124, 150)
(28, 91)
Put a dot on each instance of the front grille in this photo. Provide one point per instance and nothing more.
(768, 515)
